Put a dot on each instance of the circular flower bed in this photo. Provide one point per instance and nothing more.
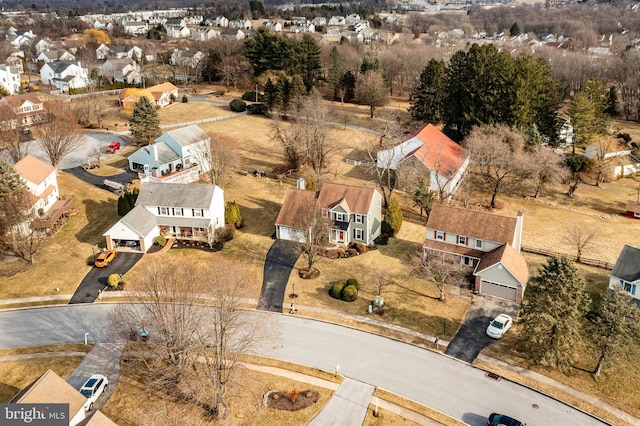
(290, 401)
(309, 274)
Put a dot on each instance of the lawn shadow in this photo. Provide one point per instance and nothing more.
(97, 221)
(259, 220)
(8, 391)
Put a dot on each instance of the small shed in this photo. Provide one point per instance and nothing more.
(633, 209)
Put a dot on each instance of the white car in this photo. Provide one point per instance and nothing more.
(499, 326)
(92, 389)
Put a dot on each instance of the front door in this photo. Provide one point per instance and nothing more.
(338, 236)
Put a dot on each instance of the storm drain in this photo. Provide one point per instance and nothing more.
(493, 376)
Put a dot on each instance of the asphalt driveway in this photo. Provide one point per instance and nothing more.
(277, 267)
(472, 338)
(98, 181)
(96, 279)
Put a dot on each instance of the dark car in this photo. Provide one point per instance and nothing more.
(496, 419)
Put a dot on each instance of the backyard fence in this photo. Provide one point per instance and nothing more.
(205, 120)
(360, 163)
(583, 260)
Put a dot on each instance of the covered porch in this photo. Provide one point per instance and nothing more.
(191, 232)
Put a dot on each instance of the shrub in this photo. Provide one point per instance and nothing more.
(312, 184)
(256, 108)
(113, 280)
(336, 291)
(172, 98)
(625, 136)
(237, 105)
(360, 247)
(353, 282)
(349, 293)
(225, 233)
(392, 218)
(160, 240)
(251, 96)
(232, 214)
(185, 99)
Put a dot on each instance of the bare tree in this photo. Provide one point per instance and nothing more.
(546, 167)
(219, 158)
(10, 134)
(309, 139)
(59, 134)
(378, 279)
(581, 236)
(16, 217)
(371, 90)
(497, 153)
(602, 160)
(196, 330)
(313, 228)
(442, 270)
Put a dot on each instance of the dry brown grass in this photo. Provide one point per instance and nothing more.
(385, 417)
(185, 112)
(134, 402)
(415, 407)
(72, 347)
(16, 375)
(64, 260)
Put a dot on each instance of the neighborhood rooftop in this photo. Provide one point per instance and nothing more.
(437, 151)
(176, 195)
(627, 266)
(185, 135)
(485, 226)
(357, 199)
(33, 169)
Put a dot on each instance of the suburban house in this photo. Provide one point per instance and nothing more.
(177, 31)
(10, 79)
(64, 75)
(126, 51)
(49, 207)
(626, 271)
(16, 60)
(183, 211)
(162, 93)
(53, 389)
(102, 52)
(633, 209)
(55, 55)
(204, 34)
(26, 110)
(429, 155)
(617, 155)
(186, 57)
(487, 243)
(354, 213)
(135, 28)
(123, 70)
(179, 155)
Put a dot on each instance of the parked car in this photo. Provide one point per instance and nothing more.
(104, 258)
(499, 326)
(92, 389)
(496, 419)
(113, 147)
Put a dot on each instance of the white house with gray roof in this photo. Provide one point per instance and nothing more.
(626, 272)
(176, 153)
(182, 211)
(64, 75)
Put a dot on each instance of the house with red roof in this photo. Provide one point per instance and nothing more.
(486, 243)
(429, 155)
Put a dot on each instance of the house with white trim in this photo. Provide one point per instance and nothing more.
(626, 271)
(64, 75)
(486, 243)
(27, 109)
(179, 210)
(10, 79)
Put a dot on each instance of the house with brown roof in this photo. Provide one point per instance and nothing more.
(487, 243)
(429, 155)
(354, 213)
(25, 110)
(164, 93)
(53, 389)
(633, 209)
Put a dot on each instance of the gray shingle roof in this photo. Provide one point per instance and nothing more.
(165, 153)
(140, 220)
(185, 135)
(627, 266)
(176, 195)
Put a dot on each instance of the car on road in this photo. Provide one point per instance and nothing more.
(113, 147)
(499, 326)
(92, 389)
(496, 419)
(104, 258)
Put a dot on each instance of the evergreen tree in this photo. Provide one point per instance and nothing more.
(369, 64)
(232, 214)
(426, 98)
(308, 57)
(552, 314)
(284, 93)
(423, 198)
(614, 326)
(298, 88)
(124, 205)
(144, 123)
(349, 86)
(270, 95)
(393, 217)
(10, 180)
(514, 30)
(269, 51)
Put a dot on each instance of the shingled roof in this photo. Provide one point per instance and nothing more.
(472, 223)
(627, 266)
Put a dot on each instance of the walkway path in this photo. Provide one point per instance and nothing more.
(348, 406)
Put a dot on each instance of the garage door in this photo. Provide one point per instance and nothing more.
(291, 234)
(498, 290)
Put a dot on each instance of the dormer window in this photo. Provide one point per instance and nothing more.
(340, 217)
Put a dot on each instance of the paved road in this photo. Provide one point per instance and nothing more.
(438, 381)
(472, 338)
(84, 153)
(96, 279)
(279, 262)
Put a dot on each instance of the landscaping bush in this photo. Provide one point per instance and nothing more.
(360, 247)
(251, 96)
(336, 291)
(392, 218)
(237, 105)
(232, 214)
(113, 280)
(160, 240)
(353, 282)
(225, 233)
(349, 293)
(256, 108)
(185, 99)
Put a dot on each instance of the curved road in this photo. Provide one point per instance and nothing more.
(438, 381)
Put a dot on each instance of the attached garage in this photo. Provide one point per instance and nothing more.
(499, 290)
(289, 233)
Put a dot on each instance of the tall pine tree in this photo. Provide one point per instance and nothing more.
(426, 98)
(144, 123)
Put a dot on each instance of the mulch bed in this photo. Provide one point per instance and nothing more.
(307, 274)
(283, 400)
(198, 245)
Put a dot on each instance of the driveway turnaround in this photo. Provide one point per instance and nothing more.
(98, 181)
(277, 267)
(96, 280)
(348, 406)
(84, 153)
(429, 378)
(472, 338)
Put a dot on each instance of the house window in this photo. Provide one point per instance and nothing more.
(629, 287)
(340, 217)
(467, 261)
(163, 211)
(197, 212)
(440, 235)
(358, 234)
(358, 218)
(178, 211)
(462, 240)
(479, 244)
(636, 214)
